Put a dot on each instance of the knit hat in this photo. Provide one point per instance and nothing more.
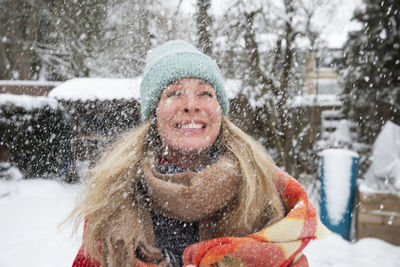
(170, 62)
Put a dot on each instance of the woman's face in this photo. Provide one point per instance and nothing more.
(188, 115)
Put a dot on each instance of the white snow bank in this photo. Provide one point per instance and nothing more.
(97, 88)
(337, 181)
(9, 172)
(319, 100)
(32, 209)
(28, 102)
(30, 213)
(366, 189)
(384, 171)
(336, 252)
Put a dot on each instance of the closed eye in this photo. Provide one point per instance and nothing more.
(174, 93)
(206, 93)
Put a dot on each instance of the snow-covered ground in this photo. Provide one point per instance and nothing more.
(31, 210)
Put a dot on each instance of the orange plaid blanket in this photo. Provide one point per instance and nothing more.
(280, 244)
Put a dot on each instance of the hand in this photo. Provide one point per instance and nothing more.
(149, 253)
(118, 252)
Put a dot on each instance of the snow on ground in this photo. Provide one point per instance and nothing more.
(32, 209)
(336, 252)
(30, 213)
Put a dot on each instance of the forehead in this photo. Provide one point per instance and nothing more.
(188, 81)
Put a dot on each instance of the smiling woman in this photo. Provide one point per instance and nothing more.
(188, 119)
(187, 187)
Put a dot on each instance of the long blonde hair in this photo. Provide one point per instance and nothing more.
(114, 177)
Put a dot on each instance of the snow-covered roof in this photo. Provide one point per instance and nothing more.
(27, 102)
(28, 83)
(106, 89)
(97, 89)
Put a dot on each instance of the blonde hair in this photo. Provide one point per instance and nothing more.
(113, 181)
(258, 201)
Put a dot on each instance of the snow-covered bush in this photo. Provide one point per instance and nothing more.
(96, 123)
(35, 137)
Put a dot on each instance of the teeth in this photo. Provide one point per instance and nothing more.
(192, 126)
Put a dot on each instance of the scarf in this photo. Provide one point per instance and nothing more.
(186, 196)
(194, 196)
(277, 245)
(191, 196)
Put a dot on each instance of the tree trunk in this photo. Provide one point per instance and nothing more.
(267, 84)
(204, 23)
(285, 116)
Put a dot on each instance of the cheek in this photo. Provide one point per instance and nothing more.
(166, 111)
(163, 117)
(213, 110)
(214, 113)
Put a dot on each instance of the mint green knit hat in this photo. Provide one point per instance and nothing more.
(174, 60)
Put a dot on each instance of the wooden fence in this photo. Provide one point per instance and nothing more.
(378, 215)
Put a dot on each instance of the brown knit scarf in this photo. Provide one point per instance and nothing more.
(187, 196)
(192, 196)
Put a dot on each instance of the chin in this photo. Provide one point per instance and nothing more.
(193, 148)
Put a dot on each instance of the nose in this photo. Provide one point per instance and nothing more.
(191, 105)
(187, 110)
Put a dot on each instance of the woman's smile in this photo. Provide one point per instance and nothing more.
(191, 126)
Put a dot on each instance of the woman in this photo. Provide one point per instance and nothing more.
(187, 181)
